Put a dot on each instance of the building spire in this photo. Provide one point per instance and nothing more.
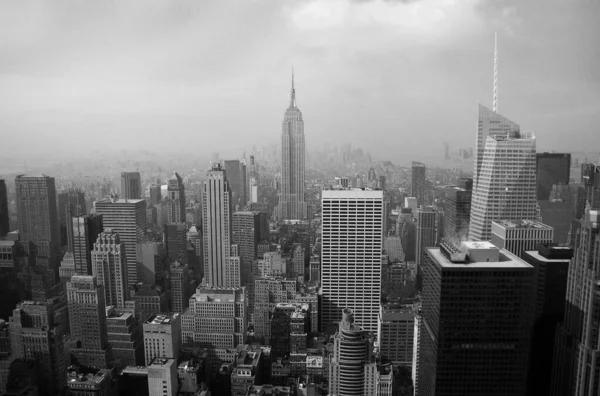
(293, 95)
(495, 100)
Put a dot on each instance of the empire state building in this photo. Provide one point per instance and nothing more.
(291, 199)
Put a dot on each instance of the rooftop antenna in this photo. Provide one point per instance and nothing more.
(293, 96)
(495, 100)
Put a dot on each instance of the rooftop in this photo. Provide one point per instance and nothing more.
(161, 362)
(522, 224)
(93, 379)
(537, 256)
(165, 319)
(505, 259)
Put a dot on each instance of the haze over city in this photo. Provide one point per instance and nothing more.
(193, 77)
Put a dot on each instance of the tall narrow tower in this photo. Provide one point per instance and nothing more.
(176, 199)
(291, 199)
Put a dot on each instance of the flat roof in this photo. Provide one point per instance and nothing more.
(521, 224)
(507, 260)
(536, 255)
(343, 193)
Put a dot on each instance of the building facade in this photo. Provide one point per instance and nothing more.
(162, 336)
(552, 168)
(131, 185)
(175, 199)
(417, 186)
(520, 236)
(109, 268)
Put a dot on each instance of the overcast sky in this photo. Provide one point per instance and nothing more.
(396, 78)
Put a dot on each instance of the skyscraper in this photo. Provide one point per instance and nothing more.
(127, 217)
(216, 226)
(576, 370)
(505, 180)
(552, 168)
(70, 203)
(87, 317)
(352, 244)
(162, 336)
(476, 318)
(457, 210)
(175, 237)
(109, 268)
(38, 219)
(4, 227)
(352, 356)
(155, 194)
(131, 185)
(520, 236)
(175, 199)
(249, 228)
(417, 187)
(236, 176)
(291, 199)
(85, 231)
(426, 231)
(179, 285)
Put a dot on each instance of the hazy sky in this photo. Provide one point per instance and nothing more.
(396, 78)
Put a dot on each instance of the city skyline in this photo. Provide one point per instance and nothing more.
(546, 78)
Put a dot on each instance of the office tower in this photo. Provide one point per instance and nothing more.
(411, 203)
(175, 237)
(152, 255)
(155, 194)
(35, 335)
(149, 299)
(352, 242)
(352, 354)
(233, 265)
(249, 228)
(216, 226)
(161, 214)
(551, 263)
(127, 217)
(253, 180)
(417, 187)
(109, 268)
(217, 319)
(407, 230)
(175, 199)
(162, 377)
(71, 202)
(552, 168)
(4, 223)
(125, 337)
(393, 248)
(381, 184)
(131, 185)
(36, 206)
(520, 236)
(396, 334)
(162, 336)
(558, 211)
(457, 210)
(268, 292)
(505, 178)
(575, 369)
(236, 176)
(314, 269)
(426, 231)
(179, 284)
(291, 199)
(298, 258)
(87, 316)
(85, 231)
(89, 382)
(474, 340)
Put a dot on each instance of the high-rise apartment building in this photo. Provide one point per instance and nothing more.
(291, 200)
(576, 370)
(505, 176)
(4, 223)
(38, 219)
(217, 319)
(350, 370)
(476, 319)
(36, 335)
(175, 199)
(396, 334)
(109, 268)
(417, 187)
(520, 236)
(127, 217)
(551, 263)
(457, 210)
(552, 168)
(162, 336)
(84, 233)
(87, 317)
(351, 247)
(217, 227)
(131, 185)
(179, 281)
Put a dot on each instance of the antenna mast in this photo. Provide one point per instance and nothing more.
(495, 100)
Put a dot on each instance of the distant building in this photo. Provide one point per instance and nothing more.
(131, 185)
(396, 335)
(36, 204)
(162, 377)
(175, 199)
(314, 269)
(127, 217)
(249, 228)
(109, 268)
(84, 233)
(552, 168)
(457, 211)
(4, 215)
(152, 260)
(162, 336)
(490, 355)
(155, 194)
(149, 298)
(520, 236)
(417, 187)
(179, 281)
(268, 292)
(175, 237)
(236, 176)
